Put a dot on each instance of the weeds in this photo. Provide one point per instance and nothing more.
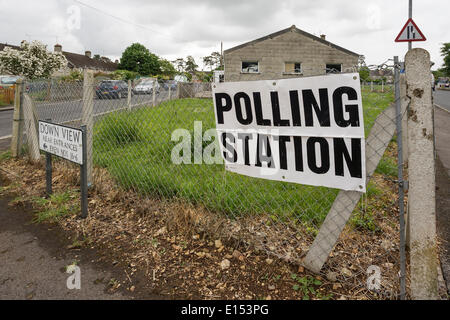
(54, 208)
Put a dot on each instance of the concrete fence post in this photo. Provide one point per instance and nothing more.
(31, 127)
(382, 86)
(170, 92)
(421, 169)
(17, 129)
(371, 86)
(129, 95)
(88, 118)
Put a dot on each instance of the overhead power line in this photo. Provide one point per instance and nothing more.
(121, 19)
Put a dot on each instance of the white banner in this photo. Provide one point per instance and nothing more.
(302, 130)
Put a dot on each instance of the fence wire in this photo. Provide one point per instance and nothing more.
(135, 137)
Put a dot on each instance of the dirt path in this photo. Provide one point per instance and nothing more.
(442, 131)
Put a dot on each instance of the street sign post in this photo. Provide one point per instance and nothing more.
(410, 32)
(67, 143)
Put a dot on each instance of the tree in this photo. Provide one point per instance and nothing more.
(167, 68)
(445, 52)
(191, 66)
(180, 64)
(218, 60)
(138, 58)
(208, 61)
(31, 61)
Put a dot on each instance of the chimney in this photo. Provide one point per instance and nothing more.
(116, 61)
(88, 54)
(323, 36)
(58, 48)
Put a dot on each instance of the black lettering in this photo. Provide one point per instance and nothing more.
(248, 108)
(260, 157)
(283, 152)
(258, 110)
(322, 112)
(353, 162)
(295, 108)
(277, 121)
(245, 137)
(351, 109)
(298, 154)
(324, 155)
(220, 107)
(229, 147)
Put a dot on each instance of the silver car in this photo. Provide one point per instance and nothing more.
(146, 86)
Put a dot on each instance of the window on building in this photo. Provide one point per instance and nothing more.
(250, 66)
(334, 68)
(292, 67)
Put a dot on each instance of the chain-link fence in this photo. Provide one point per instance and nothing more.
(140, 126)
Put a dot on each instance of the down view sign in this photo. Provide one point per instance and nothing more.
(61, 141)
(303, 130)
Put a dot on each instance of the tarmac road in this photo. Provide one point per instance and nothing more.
(67, 111)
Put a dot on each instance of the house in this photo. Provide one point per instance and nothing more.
(85, 61)
(77, 61)
(286, 54)
(386, 75)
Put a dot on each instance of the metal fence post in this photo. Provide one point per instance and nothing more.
(17, 129)
(84, 175)
(401, 205)
(154, 94)
(421, 168)
(88, 118)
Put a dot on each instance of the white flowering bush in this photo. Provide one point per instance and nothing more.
(32, 61)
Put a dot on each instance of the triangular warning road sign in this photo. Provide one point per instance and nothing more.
(410, 32)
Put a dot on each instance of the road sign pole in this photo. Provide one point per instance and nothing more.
(84, 176)
(48, 171)
(410, 17)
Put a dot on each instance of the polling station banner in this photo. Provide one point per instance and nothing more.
(303, 130)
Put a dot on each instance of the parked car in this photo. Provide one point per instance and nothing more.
(146, 86)
(8, 81)
(172, 84)
(112, 89)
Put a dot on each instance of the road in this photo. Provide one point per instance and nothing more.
(67, 111)
(442, 98)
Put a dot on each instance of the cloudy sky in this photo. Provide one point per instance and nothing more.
(177, 28)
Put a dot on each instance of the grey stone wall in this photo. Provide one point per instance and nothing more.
(287, 47)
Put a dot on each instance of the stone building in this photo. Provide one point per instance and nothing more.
(287, 53)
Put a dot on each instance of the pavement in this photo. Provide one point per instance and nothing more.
(442, 133)
(442, 98)
(33, 261)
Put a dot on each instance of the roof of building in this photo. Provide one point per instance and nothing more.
(83, 61)
(78, 60)
(295, 29)
(381, 73)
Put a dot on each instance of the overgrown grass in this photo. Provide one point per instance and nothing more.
(136, 149)
(54, 208)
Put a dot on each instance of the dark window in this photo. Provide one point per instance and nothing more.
(334, 68)
(250, 66)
